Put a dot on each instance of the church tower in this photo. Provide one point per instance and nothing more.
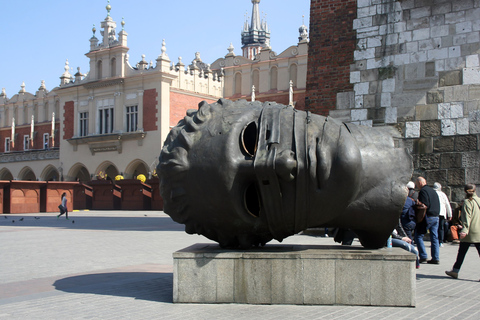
(255, 36)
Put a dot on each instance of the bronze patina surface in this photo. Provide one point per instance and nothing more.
(243, 173)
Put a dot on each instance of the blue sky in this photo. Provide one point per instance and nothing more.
(38, 36)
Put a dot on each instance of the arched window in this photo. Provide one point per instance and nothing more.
(113, 67)
(293, 74)
(35, 112)
(57, 110)
(256, 80)
(25, 114)
(99, 69)
(238, 83)
(46, 113)
(273, 78)
(7, 121)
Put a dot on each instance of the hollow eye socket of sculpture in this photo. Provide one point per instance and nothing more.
(251, 200)
(249, 139)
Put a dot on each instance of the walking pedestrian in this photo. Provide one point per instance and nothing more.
(63, 206)
(470, 233)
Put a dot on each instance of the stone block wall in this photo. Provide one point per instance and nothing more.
(416, 66)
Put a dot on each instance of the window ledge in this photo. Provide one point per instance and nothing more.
(107, 142)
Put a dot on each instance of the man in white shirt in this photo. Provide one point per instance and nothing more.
(445, 213)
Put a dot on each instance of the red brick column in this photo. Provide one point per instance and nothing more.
(150, 110)
(330, 52)
(68, 121)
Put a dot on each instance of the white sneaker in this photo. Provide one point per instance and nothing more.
(441, 245)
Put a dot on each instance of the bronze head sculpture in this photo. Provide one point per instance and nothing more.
(243, 173)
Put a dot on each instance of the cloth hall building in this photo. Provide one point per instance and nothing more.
(114, 119)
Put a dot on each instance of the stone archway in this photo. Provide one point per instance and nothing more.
(78, 172)
(135, 168)
(27, 174)
(109, 169)
(5, 174)
(50, 173)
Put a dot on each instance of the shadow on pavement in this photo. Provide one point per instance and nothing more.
(149, 286)
(76, 221)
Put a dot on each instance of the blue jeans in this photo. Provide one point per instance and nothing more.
(409, 227)
(405, 246)
(430, 223)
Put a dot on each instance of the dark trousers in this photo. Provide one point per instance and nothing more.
(409, 227)
(63, 211)
(462, 251)
(442, 229)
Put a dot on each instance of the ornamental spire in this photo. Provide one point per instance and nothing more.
(255, 24)
(256, 36)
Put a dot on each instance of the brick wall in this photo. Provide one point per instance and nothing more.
(330, 52)
(150, 116)
(180, 103)
(68, 120)
(39, 130)
(4, 134)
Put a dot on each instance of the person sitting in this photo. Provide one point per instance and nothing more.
(401, 240)
(456, 224)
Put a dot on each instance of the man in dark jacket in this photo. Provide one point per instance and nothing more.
(428, 197)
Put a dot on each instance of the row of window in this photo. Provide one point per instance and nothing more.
(27, 141)
(255, 79)
(105, 123)
(27, 112)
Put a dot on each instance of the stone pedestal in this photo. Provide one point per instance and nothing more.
(294, 274)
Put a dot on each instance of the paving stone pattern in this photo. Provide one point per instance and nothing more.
(118, 265)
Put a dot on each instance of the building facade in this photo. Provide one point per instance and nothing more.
(262, 74)
(113, 119)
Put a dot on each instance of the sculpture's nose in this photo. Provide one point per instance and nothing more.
(286, 165)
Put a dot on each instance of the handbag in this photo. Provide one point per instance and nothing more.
(420, 211)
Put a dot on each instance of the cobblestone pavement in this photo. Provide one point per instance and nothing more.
(118, 265)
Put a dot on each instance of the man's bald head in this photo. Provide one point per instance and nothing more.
(420, 182)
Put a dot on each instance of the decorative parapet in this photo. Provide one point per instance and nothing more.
(103, 83)
(31, 155)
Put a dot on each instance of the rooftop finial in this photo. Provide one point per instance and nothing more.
(22, 90)
(230, 48)
(94, 30)
(108, 7)
(303, 31)
(163, 55)
(123, 23)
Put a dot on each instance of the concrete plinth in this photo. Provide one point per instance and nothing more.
(294, 274)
